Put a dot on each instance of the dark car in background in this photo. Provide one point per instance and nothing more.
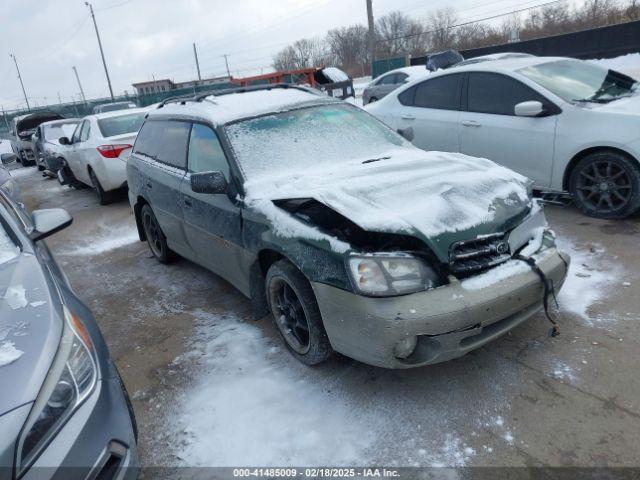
(22, 129)
(46, 145)
(64, 411)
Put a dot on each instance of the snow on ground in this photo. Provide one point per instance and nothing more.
(107, 238)
(628, 64)
(590, 275)
(250, 412)
(22, 171)
(9, 353)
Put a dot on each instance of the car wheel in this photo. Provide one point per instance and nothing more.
(296, 313)
(155, 237)
(104, 198)
(606, 185)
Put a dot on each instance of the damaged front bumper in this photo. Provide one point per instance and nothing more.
(447, 322)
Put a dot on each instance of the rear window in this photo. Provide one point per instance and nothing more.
(165, 141)
(110, 127)
(442, 93)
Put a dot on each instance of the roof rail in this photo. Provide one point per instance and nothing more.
(227, 91)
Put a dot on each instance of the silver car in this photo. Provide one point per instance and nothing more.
(387, 83)
(64, 412)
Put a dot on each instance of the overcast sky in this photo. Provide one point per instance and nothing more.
(143, 39)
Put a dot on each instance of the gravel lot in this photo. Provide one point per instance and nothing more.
(213, 387)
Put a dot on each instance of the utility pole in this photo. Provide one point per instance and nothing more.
(195, 53)
(59, 99)
(104, 62)
(226, 61)
(20, 78)
(372, 34)
(4, 115)
(75, 70)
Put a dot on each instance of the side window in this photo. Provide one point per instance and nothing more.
(498, 94)
(401, 77)
(86, 130)
(76, 133)
(442, 93)
(205, 151)
(164, 141)
(386, 80)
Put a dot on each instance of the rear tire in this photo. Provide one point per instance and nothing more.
(155, 236)
(104, 198)
(606, 185)
(296, 313)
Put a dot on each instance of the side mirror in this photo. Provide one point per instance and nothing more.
(64, 141)
(8, 158)
(49, 221)
(209, 182)
(532, 108)
(407, 133)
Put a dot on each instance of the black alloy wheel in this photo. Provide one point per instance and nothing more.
(606, 185)
(155, 237)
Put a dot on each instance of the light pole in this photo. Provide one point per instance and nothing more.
(104, 62)
(195, 53)
(226, 61)
(75, 70)
(372, 34)
(21, 84)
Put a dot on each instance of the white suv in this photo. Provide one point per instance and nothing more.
(569, 125)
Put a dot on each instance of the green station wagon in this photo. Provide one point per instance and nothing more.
(355, 241)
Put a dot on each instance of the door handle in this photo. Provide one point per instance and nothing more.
(407, 117)
(187, 202)
(470, 123)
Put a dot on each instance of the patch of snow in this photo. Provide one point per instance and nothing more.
(8, 249)
(109, 240)
(16, 297)
(562, 371)
(23, 171)
(335, 74)
(38, 303)
(454, 453)
(248, 411)
(628, 64)
(9, 353)
(589, 277)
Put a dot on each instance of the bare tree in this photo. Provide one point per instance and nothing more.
(348, 46)
(397, 35)
(304, 53)
(441, 28)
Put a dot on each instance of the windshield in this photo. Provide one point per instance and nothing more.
(575, 80)
(113, 126)
(308, 137)
(54, 132)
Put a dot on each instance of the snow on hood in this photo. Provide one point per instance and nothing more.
(406, 191)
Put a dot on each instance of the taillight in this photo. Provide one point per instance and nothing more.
(113, 151)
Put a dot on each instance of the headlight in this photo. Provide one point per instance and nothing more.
(9, 186)
(70, 380)
(388, 274)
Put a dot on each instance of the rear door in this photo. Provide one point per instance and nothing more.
(212, 222)
(74, 154)
(161, 160)
(490, 128)
(432, 109)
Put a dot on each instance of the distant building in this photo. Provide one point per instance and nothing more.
(165, 84)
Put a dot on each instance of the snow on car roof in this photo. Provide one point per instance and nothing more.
(117, 113)
(508, 64)
(222, 109)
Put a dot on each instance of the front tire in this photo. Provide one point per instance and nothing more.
(155, 237)
(296, 313)
(606, 185)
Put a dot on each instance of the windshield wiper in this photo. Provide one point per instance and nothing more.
(371, 160)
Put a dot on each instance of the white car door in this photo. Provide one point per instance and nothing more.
(489, 127)
(432, 109)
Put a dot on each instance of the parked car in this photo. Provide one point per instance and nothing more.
(569, 125)
(388, 82)
(112, 107)
(7, 183)
(22, 128)
(46, 142)
(355, 240)
(64, 411)
(96, 154)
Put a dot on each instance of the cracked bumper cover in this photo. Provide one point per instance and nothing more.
(449, 321)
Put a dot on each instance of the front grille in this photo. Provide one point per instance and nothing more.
(473, 256)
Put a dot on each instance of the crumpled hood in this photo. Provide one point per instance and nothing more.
(30, 330)
(435, 196)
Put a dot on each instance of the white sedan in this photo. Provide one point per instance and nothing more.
(97, 153)
(569, 125)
